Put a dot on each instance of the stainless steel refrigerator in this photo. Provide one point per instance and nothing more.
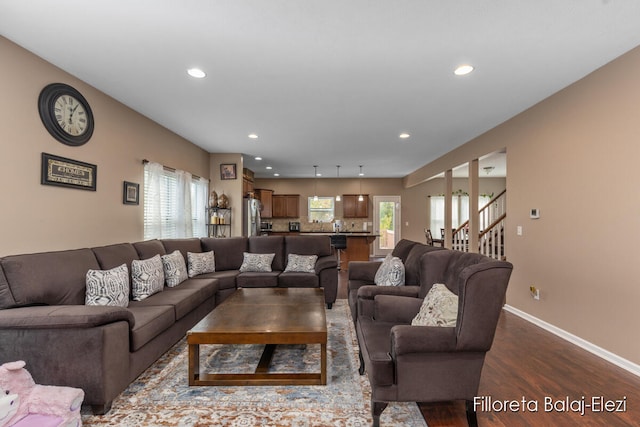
(250, 217)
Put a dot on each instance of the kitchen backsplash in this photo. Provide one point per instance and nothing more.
(351, 224)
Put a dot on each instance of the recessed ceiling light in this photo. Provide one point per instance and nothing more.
(276, 174)
(253, 136)
(404, 135)
(196, 72)
(269, 168)
(463, 70)
(258, 158)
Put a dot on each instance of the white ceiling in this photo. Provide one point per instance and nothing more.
(326, 82)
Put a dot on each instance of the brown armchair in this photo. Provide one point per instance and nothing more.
(433, 364)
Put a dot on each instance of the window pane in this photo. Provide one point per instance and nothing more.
(321, 210)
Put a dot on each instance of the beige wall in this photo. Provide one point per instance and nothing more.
(35, 217)
(574, 156)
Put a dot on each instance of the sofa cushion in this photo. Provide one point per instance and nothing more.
(149, 248)
(390, 272)
(114, 255)
(226, 279)
(298, 280)
(182, 245)
(228, 252)
(147, 277)
(269, 245)
(175, 270)
(258, 280)
(200, 263)
(206, 287)
(256, 263)
(412, 264)
(183, 300)
(439, 308)
(53, 278)
(108, 287)
(150, 321)
(403, 248)
(301, 263)
(308, 245)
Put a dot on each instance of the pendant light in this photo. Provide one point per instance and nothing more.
(338, 175)
(315, 174)
(361, 197)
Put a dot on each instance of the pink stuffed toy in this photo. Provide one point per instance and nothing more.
(25, 403)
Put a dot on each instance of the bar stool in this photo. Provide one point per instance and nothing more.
(339, 242)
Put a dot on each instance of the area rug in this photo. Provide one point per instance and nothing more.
(161, 396)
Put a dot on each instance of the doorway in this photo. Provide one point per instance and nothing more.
(386, 223)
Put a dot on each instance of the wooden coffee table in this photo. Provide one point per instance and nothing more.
(267, 316)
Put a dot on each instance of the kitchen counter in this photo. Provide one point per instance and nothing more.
(358, 246)
(346, 233)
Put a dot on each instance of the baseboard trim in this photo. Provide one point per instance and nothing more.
(584, 344)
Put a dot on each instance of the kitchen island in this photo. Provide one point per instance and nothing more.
(358, 246)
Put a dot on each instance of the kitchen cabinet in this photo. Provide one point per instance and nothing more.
(352, 208)
(285, 205)
(266, 200)
(247, 182)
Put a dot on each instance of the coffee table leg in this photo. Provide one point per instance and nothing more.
(323, 363)
(194, 363)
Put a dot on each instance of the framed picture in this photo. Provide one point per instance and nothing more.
(228, 171)
(131, 193)
(70, 173)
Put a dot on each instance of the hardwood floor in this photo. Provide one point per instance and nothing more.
(531, 363)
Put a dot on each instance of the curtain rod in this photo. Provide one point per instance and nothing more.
(170, 169)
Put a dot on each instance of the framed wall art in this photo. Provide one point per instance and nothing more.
(131, 193)
(64, 172)
(228, 171)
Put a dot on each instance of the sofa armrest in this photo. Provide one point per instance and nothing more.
(406, 339)
(372, 291)
(396, 309)
(325, 262)
(363, 270)
(63, 316)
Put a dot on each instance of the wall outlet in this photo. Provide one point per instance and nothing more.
(535, 292)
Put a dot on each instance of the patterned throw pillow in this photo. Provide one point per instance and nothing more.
(390, 272)
(108, 287)
(301, 263)
(147, 277)
(175, 270)
(439, 308)
(200, 263)
(256, 262)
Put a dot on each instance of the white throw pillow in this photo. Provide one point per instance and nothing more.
(175, 270)
(390, 272)
(256, 262)
(108, 287)
(301, 263)
(200, 263)
(147, 277)
(439, 308)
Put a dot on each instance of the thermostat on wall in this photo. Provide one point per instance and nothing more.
(534, 214)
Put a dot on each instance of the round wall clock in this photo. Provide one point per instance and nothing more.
(65, 114)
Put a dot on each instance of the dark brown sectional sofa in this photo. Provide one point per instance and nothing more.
(102, 349)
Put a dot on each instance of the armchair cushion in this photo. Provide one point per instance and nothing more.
(439, 308)
(390, 272)
(398, 309)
